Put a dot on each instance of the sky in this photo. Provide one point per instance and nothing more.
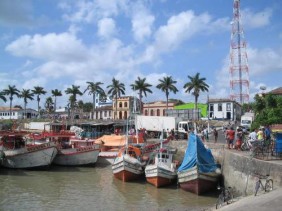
(59, 43)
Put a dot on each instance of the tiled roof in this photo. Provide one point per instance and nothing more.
(8, 109)
(277, 91)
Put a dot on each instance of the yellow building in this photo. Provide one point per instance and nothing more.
(125, 107)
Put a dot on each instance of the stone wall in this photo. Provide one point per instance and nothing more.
(238, 168)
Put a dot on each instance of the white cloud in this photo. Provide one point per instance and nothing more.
(251, 19)
(106, 28)
(142, 22)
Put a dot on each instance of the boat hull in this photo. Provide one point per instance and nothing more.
(159, 176)
(193, 181)
(30, 157)
(127, 169)
(77, 156)
(107, 158)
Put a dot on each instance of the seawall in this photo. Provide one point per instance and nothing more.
(238, 168)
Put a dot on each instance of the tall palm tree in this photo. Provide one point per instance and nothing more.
(2, 96)
(94, 88)
(73, 91)
(26, 94)
(196, 85)
(56, 93)
(11, 91)
(166, 85)
(49, 105)
(115, 90)
(38, 91)
(142, 87)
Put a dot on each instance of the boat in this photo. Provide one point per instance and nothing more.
(17, 153)
(128, 164)
(161, 170)
(198, 172)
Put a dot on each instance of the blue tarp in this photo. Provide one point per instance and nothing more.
(197, 154)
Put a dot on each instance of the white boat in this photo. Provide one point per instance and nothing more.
(76, 152)
(19, 155)
(127, 165)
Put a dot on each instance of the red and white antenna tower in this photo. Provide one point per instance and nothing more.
(238, 69)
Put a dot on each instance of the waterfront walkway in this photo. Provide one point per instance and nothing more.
(271, 201)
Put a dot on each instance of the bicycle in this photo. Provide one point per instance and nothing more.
(226, 195)
(268, 186)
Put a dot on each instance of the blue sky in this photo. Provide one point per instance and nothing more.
(59, 43)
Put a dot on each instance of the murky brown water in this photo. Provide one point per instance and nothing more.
(89, 188)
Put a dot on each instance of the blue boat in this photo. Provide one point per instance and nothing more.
(198, 172)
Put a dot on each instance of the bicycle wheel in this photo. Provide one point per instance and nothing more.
(229, 196)
(244, 147)
(220, 201)
(258, 184)
(268, 185)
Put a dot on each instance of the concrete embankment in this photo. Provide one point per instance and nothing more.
(238, 168)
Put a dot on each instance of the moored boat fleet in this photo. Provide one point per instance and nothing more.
(129, 156)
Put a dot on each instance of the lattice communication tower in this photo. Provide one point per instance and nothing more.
(238, 69)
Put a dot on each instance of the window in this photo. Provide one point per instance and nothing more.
(125, 104)
(228, 107)
(120, 104)
(105, 113)
(219, 107)
(158, 112)
(211, 107)
(152, 113)
(146, 112)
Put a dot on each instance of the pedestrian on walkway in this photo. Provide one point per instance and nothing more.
(215, 134)
(230, 135)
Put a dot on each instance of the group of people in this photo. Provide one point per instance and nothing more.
(261, 134)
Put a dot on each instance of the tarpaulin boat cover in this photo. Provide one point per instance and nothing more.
(197, 154)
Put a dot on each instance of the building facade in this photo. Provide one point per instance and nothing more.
(224, 109)
(104, 112)
(17, 113)
(157, 108)
(126, 106)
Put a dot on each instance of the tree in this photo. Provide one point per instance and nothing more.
(115, 90)
(11, 91)
(94, 88)
(166, 85)
(49, 105)
(2, 96)
(73, 91)
(196, 84)
(142, 87)
(26, 94)
(38, 91)
(56, 93)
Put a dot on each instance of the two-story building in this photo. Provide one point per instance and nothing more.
(126, 106)
(224, 109)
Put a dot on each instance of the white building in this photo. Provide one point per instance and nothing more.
(224, 109)
(17, 113)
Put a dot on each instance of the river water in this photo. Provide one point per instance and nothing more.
(90, 188)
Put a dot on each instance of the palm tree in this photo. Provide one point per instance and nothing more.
(26, 94)
(142, 88)
(11, 91)
(73, 91)
(49, 105)
(38, 91)
(94, 88)
(166, 85)
(196, 84)
(2, 96)
(56, 93)
(115, 90)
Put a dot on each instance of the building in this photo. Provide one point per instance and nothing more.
(276, 92)
(157, 108)
(224, 109)
(126, 106)
(17, 113)
(103, 112)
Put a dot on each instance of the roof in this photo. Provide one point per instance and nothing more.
(201, 106)
(277, 91)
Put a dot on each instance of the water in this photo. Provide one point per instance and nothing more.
(89, 188)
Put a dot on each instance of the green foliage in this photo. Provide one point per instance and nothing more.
(268, 110)
(87, 107)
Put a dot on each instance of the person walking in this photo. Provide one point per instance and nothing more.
(215, 134)
(230, 135)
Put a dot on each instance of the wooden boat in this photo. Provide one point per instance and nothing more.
(128, 165)
(77, 152)
(161, 170)
(198, 172)
(16, 153)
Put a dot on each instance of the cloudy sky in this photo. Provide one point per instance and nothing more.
(59, 43)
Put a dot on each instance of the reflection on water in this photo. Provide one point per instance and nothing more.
(89, 188)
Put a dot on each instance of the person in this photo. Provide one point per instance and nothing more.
(252, 137)
(260, 134)
(215, 133)
(202, 135)
(172, 133)
(267, 133)
(230, 135)
(239, 136)
(206, 134)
